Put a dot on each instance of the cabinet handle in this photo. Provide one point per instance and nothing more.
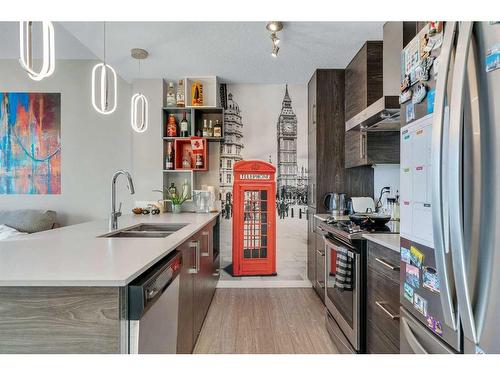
(362, 145)
(321, 284)
(314, 113)
(388, 265)
(206, 253)
(322, 253)
(195, 245)
(381, 304)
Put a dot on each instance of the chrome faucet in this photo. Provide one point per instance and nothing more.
(113, 218)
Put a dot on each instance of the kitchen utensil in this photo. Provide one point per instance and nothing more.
(335, 202)
(370, 219)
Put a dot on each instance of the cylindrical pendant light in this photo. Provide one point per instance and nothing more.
(139, 107)
(102, 73)
(26, 49)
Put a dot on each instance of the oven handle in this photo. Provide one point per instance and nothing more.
(334, 246)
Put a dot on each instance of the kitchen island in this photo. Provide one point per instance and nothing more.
(65, 290)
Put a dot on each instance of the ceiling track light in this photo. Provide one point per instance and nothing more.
(102, 73)
(26, 49)
(139, 106)
(274, 27)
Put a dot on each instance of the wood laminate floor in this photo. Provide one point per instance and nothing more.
(265, 321)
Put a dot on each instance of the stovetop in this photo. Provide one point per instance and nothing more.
(350, 231)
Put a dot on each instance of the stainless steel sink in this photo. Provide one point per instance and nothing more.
(146, 230)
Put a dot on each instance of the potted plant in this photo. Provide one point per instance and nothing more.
(176, 199)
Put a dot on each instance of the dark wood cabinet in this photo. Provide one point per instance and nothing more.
(198, 280)
(382, 303)
(320, 266)
(367, 148)
(363, 78)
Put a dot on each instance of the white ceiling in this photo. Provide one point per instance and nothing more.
(234, 51)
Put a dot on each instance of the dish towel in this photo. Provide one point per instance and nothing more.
(343, 270)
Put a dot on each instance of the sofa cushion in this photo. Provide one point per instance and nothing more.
(29, 221)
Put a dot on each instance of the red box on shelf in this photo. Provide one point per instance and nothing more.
(185, 145)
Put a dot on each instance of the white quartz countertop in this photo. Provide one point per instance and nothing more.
(76, 256)
(391, 241)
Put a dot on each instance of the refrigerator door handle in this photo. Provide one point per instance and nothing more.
(411, 339)
(455, 182)
(443, 261)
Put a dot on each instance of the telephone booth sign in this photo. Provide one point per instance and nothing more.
(254, 218)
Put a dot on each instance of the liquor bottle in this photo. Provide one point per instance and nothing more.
(197, 94)
(171, 95)
(205, 128)
(186, 160)
(210, 129)
(199, 161)
(217, 129)
(171, 126)
(184, 126)
(181, 102)
(172, 190)
(169, 159)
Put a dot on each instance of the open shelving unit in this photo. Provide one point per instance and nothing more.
(211, 110)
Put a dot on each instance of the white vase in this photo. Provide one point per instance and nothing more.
(176, 208)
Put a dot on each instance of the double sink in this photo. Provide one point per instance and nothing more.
(146, 230)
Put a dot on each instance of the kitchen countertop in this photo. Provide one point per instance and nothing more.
(391, 241)
(323, 217)
(75, 256)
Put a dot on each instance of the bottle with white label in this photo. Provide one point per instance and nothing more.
(184, 126)
(210, 129)
(205, 128)
(171, 102)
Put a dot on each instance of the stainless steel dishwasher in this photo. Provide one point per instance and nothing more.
(154, 308)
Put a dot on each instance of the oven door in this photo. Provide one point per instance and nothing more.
(344, 305)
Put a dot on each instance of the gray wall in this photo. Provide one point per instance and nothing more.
(93, 145)
(147, 147)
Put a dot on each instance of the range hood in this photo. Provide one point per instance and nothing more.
(383, 114)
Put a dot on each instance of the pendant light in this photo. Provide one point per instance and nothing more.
(101, 74)
(139, 107)
(26, 49)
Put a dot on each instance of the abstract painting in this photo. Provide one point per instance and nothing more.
(30, 143)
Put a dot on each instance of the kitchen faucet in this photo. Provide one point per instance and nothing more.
(113, 218)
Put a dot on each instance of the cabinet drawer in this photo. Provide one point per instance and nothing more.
(384, 261)
(382, 304)
(382, 314)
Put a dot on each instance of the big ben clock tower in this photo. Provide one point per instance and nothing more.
(287, 147)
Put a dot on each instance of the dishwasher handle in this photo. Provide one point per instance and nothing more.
(147, 288)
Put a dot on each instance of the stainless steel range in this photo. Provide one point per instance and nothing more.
(345, 281)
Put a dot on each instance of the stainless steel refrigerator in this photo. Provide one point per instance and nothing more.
(450, 176)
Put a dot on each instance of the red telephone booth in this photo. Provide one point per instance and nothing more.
(254, 218)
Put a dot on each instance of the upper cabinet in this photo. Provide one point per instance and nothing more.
(372, 81)
(363, 78)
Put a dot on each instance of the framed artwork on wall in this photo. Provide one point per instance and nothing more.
(30, 143)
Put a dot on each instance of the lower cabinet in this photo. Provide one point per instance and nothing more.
(320, 266)
(198, 280)
(382, 305)
(311, 246)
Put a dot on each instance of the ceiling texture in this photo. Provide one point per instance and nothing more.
(235, 51)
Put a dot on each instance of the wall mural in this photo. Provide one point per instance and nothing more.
(30, 143)
(269, 122)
